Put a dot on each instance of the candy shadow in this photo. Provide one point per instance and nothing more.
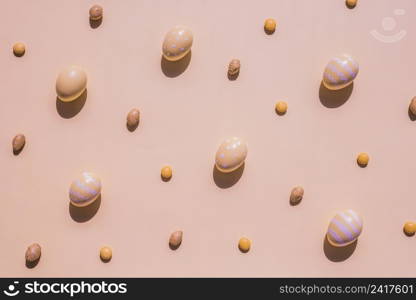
(226, 180)
(68, 110)
(173, 69)
(334, 98)
(412, 117)
(84, 214)
(32, 264)
(338, 254)
(96, 23)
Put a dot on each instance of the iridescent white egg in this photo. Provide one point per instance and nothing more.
(177, 43)
(85, 189)
(344, 229)
(340, 72)
(231, 154)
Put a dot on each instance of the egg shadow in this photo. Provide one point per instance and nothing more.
(338, 254)
(412, 117)
(227, 180)
(96, 23)
(173, 69)
(334, 98)
(32, 264)
(68, 110)
(84, 214)
(232, 77)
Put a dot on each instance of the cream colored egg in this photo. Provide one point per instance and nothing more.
(71, 83)
(340, 72)
(231, 154)
(85, 189)
(177, 43)
(344, 228)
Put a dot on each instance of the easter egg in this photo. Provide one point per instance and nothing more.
(71, 83)
(340, 72)
(177, 43)
(231, 154)
(344, 228)
(85, 189)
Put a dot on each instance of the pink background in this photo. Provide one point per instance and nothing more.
(183, 121)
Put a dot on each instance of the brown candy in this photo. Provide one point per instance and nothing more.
(96, 12)
(33, 253)
(296, 195)
(175, 239)
(234, 67)
(18, 143)
(412, 106)
(133, 119)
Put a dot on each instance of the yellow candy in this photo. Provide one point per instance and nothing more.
(409, 228)
(244, 244)
(281, 107)
(166, 173)
(106, 254)
(269, 26)
(363, 159)
(19, 49)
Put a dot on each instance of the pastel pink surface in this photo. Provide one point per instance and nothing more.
(184, 119)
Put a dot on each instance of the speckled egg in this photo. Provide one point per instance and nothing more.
(340, 72)
(344, 228)
(71, 83)
(231, 154)
(85, 189)
(177, 43)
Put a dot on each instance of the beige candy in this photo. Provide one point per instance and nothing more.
(71, 83)
(106, 254)
(177, 43)
(85, 189)
(175, 239)
(231, 155)
(19, 49)
(18, 143)
(234, 67)
(33, 252)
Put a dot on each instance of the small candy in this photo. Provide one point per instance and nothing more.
(71, 83)
(19, 49)
(166, 173)
(269, 26)
(281, 108)
(231, 155)
(33, 253)
(175, 239)
(106, 254)
(351, 3)
(96, 12)
(409, 228)
(234, 67)
(412, 106)
(244, 245)
(178, 42)
(362, 159)
(85, 189)
(18, 143)
(344, 228)
(296, 195)
(133, 118)
(340, 72)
